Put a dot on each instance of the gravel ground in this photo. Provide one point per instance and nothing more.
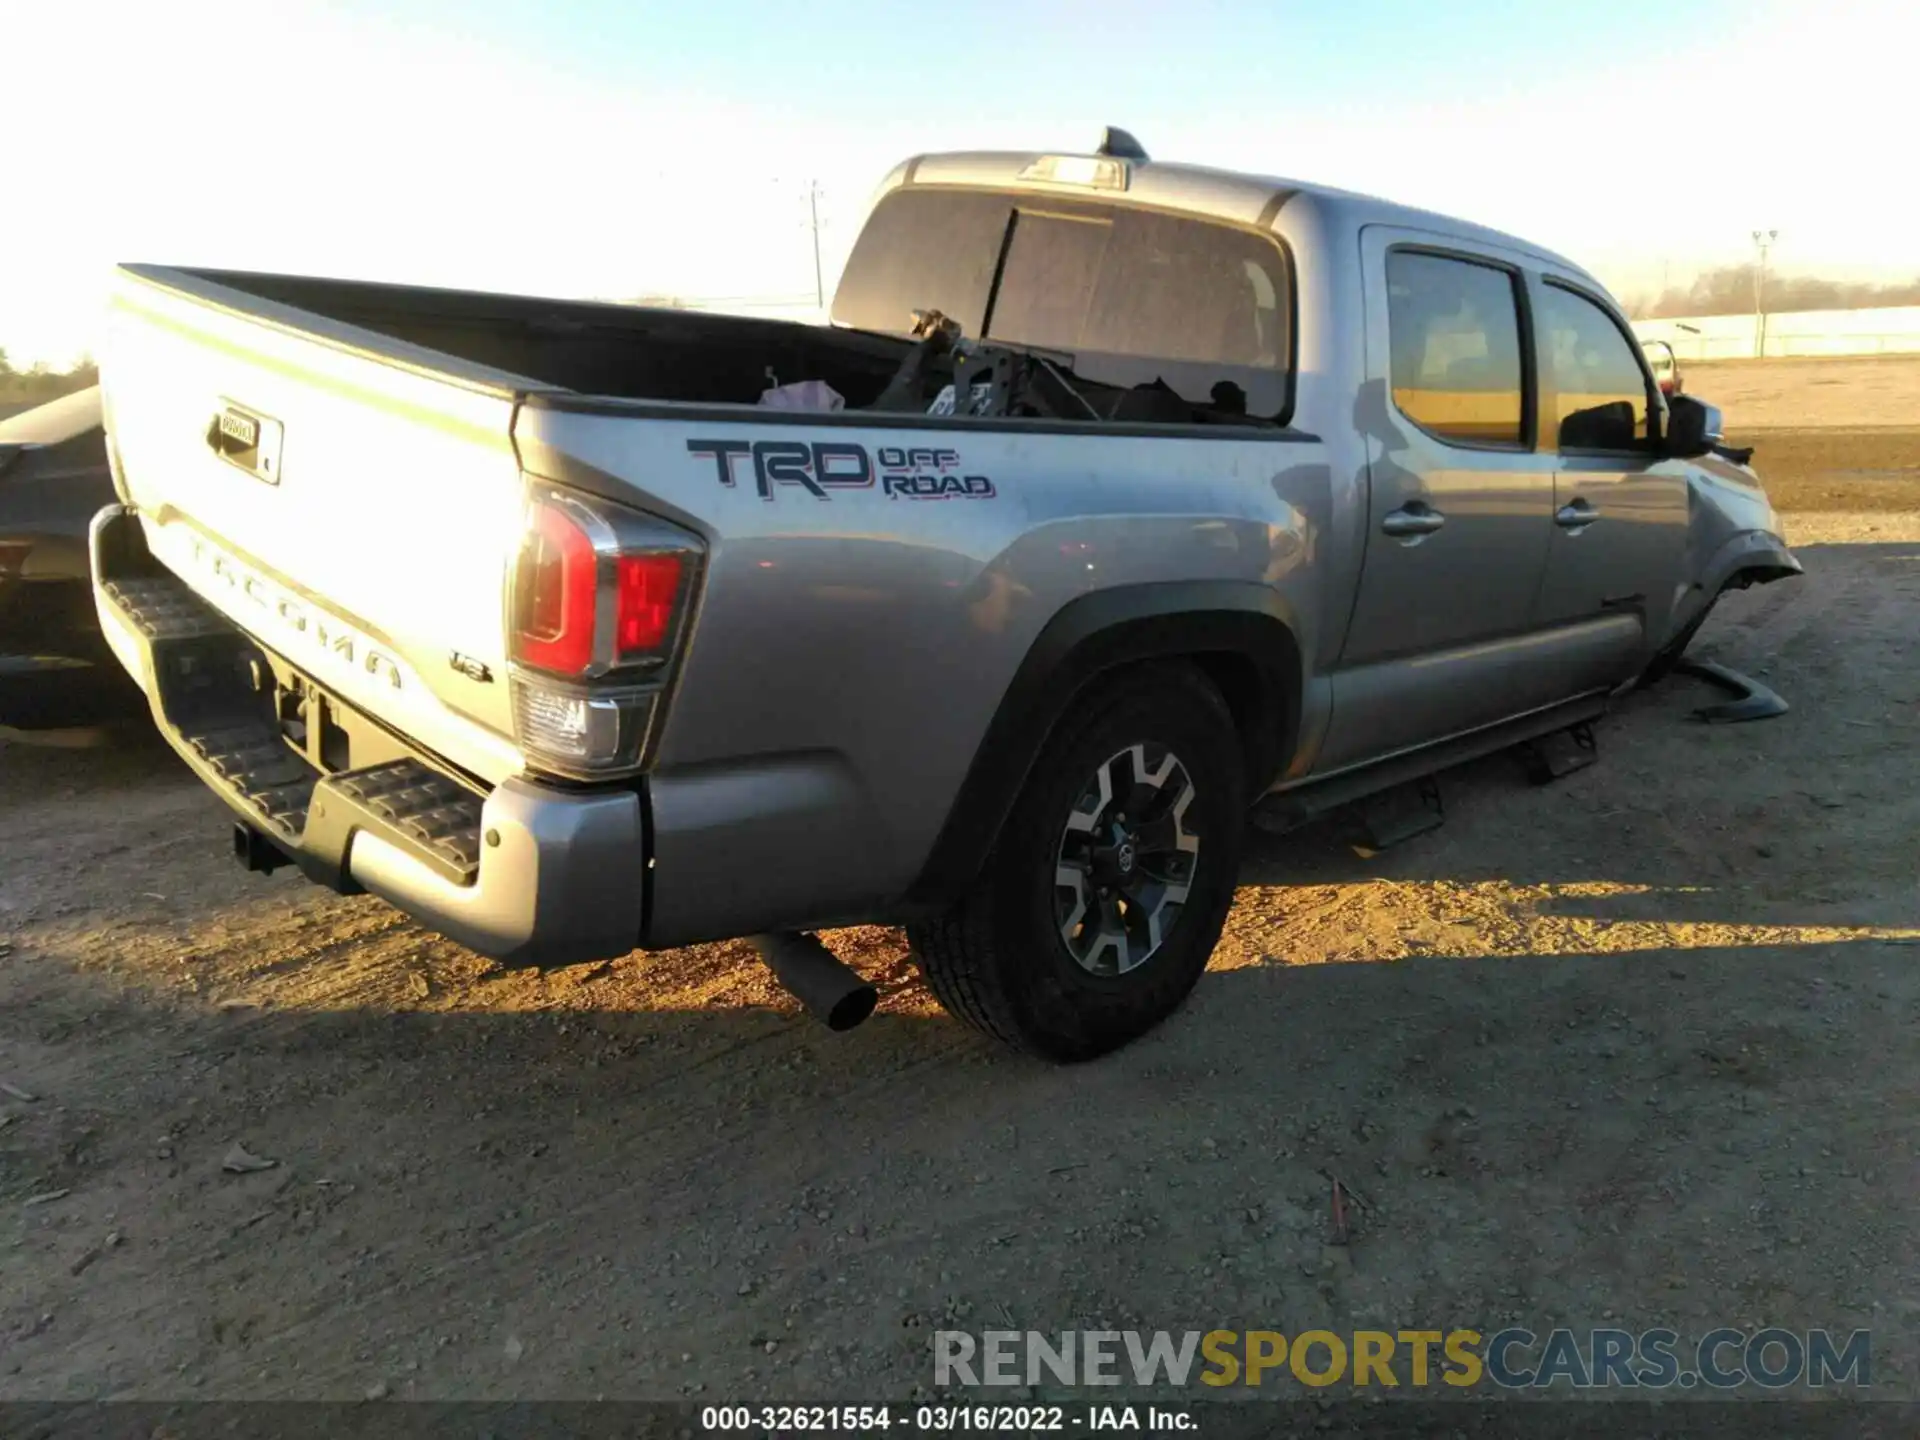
(1637, 1048)
(1838, 435)
(1840, 392)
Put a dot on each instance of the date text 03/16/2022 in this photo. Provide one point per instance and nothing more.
(943, 1418)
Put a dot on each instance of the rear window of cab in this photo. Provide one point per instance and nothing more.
(1132, 296)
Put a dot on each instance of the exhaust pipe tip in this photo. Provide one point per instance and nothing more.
(826, 989)
(852, 1009)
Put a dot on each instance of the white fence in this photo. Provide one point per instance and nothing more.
(1887, 331)
(1890, 331)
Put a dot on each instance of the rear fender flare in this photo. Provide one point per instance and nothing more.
(1241, 632)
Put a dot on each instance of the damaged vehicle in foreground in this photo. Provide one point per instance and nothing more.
(1121, 499)
(56, 672)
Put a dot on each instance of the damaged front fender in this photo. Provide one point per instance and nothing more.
(1733, 540)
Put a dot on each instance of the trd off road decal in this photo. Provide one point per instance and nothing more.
(902, 473)
(924, 474)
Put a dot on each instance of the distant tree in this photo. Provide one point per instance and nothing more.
(1729, 290)
(41, 382)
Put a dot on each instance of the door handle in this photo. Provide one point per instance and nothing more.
(1412, 521)
(1575, 515)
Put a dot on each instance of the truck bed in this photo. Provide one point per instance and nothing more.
(591, 347)
(872, 582)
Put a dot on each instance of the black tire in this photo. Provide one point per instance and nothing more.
(999, 959)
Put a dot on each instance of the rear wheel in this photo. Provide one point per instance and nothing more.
(1107, 890)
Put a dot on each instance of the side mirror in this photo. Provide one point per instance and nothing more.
(1693, 427)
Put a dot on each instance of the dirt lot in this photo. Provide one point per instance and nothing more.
(1839, 434)
(1841, 392)
(1639, 1048)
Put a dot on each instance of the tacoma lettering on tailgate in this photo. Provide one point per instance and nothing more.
(281, 617)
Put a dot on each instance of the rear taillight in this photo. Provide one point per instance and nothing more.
(556, 593)
(596, 611)
(647, 588)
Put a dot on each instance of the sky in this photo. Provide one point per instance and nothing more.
(619, 148)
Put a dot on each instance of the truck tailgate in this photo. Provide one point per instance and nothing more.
(305, 475)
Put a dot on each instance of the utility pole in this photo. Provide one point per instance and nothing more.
(813, 211)
(1763, 241)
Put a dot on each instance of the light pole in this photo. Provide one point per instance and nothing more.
(813, 211)
(1762, 240)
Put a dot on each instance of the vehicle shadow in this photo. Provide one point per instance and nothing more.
(1776, 822)
(122, 755)
(628, 1199)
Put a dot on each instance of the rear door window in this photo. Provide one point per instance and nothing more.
(1453, 333)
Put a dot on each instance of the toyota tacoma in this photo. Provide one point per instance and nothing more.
(1118, 499)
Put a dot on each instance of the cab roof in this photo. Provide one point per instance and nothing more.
(1199, 190)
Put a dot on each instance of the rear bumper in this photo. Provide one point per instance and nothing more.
(524, 873)
(560, 878)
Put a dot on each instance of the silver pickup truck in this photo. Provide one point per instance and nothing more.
(1119, 499)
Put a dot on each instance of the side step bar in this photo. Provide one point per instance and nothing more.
(210, 703)
(1308, 800)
